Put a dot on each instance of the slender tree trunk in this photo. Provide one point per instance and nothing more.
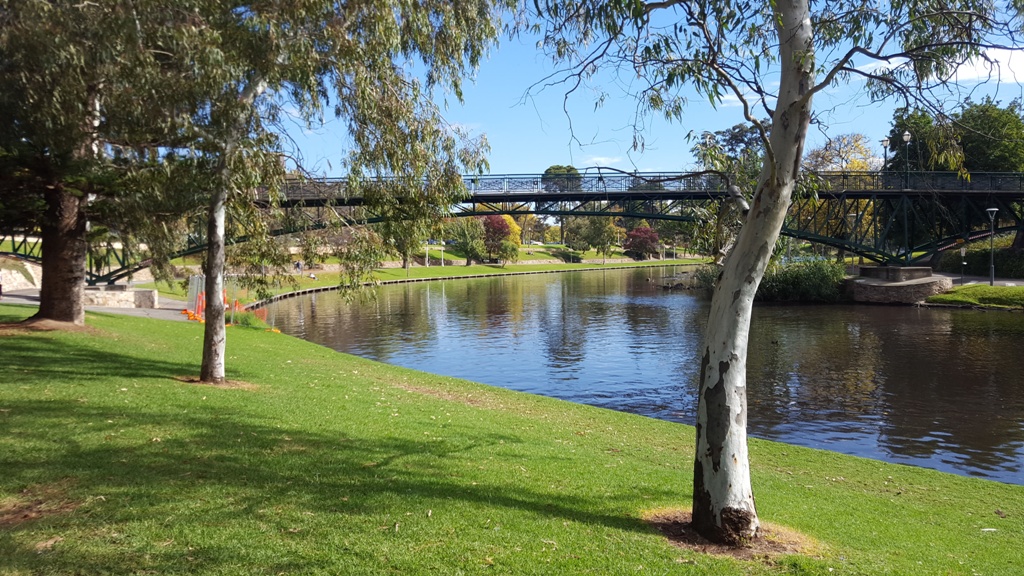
(215, 333)
(61, 294)
(723, 501)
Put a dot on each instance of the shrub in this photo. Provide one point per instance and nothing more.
(1009, 263)
(818, 281)
(248, 320)
(641, 243)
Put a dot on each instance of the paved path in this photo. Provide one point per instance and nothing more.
(968, 280)
(168, 310)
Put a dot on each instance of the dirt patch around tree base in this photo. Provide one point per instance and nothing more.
(775, 541)
(43, 325)
(227, 384)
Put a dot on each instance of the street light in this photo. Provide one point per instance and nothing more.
(991, 252)
(906, 140)
(885, 152)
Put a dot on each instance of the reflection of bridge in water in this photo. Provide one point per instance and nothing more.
(893, 218)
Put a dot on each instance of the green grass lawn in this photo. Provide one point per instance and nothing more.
(329, 464)
(982, 295)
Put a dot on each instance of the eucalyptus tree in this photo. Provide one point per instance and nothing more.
(255, 60)
(772, 58)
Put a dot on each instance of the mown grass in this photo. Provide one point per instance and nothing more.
(982, 295)
(330, 464)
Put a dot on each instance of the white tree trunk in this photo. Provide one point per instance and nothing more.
(723, 500)
(215, 333)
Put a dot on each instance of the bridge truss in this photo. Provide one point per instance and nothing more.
(888, 218)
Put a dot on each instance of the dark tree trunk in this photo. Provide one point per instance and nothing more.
(1018, 240)
(61, 294)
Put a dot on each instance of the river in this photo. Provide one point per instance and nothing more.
(938, 388)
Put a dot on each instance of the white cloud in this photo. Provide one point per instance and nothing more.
(1004, 66)
(603, 160)
(999, 65)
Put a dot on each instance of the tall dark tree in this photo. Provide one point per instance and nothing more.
(991, 137)
(559, 178)
(76, 78)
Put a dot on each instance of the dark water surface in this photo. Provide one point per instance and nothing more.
(936, 388)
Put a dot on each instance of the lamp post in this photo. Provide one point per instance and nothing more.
(991, 250)
(885, 157)
(906, 140)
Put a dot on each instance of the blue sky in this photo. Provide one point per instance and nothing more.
(528, 133)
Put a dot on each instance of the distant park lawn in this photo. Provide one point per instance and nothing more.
(982, 295)
(316, 278)
(315, 462)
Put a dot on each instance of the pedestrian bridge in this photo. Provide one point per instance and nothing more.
(892, 218)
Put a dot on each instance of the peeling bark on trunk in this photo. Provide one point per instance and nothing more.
(61, 294)
(723, 500)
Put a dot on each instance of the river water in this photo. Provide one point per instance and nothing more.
(936, 388)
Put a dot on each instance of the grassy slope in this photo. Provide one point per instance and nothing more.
(338, 465)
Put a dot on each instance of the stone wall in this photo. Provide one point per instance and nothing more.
(18, 274)
(119, 296)
(882, 292)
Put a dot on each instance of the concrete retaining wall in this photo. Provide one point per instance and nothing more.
(882, 292)
(120, 297)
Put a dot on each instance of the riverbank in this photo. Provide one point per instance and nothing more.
(316, 462)
(329, 281)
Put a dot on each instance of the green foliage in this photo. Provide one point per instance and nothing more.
(601, 234)
(361, 252)
(1009, 263)
(992, 138)
(508, 252)
(312, 244)
(248, 320)
(468, 234)
(575, 231)
(558, 178)
(818, 281)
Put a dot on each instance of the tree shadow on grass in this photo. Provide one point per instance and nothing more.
(28, 361)
(217, 470)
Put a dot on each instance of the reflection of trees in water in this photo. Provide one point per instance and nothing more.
(900, 372)
(952, 388)
(566, 317)
(810, 363)
(936, 387)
